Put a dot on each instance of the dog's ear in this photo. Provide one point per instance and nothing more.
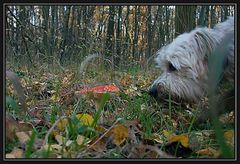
(204, 42)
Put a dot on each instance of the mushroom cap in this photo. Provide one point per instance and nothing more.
(101, 89)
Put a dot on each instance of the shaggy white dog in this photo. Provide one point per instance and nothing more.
(184, 62)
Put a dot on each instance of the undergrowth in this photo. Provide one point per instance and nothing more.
(50, 95)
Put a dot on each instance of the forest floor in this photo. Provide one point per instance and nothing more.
(123, 124)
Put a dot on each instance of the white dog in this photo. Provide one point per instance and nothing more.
(184, 62)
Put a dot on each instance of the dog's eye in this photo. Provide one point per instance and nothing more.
(171, 67)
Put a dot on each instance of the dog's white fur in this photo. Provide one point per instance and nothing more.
(188, 54)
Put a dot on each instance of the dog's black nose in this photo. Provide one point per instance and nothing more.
(153, 91)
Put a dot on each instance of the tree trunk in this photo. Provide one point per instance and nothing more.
(119, 38)
(213, 16)
(45, 41)
(184, 19)
(127, 37)
(110, 32)
(136, 31)
(65, 31)
(149, 31)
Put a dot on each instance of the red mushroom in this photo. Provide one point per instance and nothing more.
(96, 93)
(100, 89)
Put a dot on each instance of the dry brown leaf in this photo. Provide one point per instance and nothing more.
(12, 126)
(80, 139)
(126, 80)
(16, 153)
(100, 146)
(208, 152)
(67, 98)
(54, 147)
(174, 123)
(69, 142)
(100, 129)
(9, 155)
(156, 137)
(60, 139)
(120, 133)
(23, 137)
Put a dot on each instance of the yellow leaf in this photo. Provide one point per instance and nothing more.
(228, 135)
(120, 133)
(62, 124)
(183, 139)
(86, 119)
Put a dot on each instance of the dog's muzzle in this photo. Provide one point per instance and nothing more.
(153, 91)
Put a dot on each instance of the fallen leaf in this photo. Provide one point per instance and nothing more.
(16, 153)
(120, 133)
(37, 143)
(12, 126)
(175, 124)
(126, 80)
(208, 152)
(228, 135)
(183, 139)
(9, 155)
(80, 139)
(100, 129)
(100, 146)
(156, 137)
(86, 119)
(69, 142)
(67, 98)
(60, 139)
(62, 124)
(23, 137)
(54, 147)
